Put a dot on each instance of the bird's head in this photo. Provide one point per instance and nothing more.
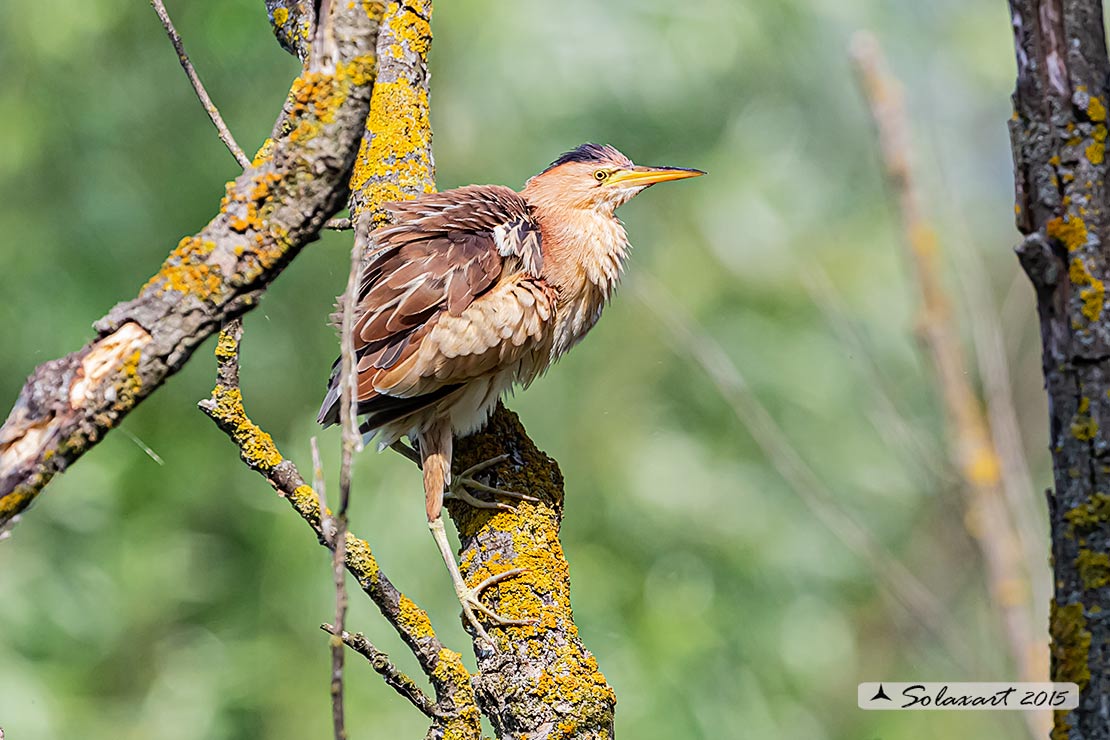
(597, 177)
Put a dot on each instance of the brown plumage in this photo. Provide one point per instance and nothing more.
(471, 291)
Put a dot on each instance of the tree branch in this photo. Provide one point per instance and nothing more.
(269, 213)
(1059, 132)
(457, 711)
(293, 21)
(348, 417)
(381, 663)
(198, 87)
(542, 675)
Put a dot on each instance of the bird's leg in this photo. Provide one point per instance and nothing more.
(435, 449)
(469, 597)
(460, 484)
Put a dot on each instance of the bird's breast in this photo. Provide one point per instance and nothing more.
(584, 262)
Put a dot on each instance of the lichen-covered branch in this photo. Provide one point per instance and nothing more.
(384, 667)
(542, 682)
(1059, 132)
(395, 158)
(293, 22)
(267, 215)
(457, 713)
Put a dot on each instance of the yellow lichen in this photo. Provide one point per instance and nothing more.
(542, 593)
(256, 447)
(396, 159)
(1091, 514)
(130, 383)
(15, 502)
(1096, 111)
(1096, 151)
(1070, 232)
(227, 347)
(1093, 291)
(304, 499)
(414, 619)
(465, 721)
(1084, 427)
(281, 15)
(264, 153)
(1071, 644)
(373, 8)
(1093, 568)
(1061, 728)
(187, 271)
(361, 561)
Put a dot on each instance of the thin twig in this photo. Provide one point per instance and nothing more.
(213, 113)
(338, 224)
(972, 447)
(348, 417)
(381, 663)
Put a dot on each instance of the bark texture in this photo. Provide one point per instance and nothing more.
(1059, 132)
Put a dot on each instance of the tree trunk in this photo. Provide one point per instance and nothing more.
(1059, 133)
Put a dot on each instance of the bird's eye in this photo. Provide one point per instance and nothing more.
(601, 175)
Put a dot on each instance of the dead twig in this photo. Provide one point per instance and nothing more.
(351, 442)
(198, 87)
(384, 667)
(973, 451)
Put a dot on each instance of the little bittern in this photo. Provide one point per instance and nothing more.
(471, 291)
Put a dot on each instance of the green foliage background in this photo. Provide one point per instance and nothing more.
(182, 600)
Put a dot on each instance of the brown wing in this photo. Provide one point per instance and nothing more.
(451, 289)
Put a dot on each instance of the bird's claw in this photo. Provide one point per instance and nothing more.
(469, 599)
(458, 490)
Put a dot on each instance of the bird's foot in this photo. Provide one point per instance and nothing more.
(462, 484)
(469, 599)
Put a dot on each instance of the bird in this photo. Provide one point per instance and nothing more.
(467, 293)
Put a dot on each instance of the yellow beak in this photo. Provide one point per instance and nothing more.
(644, 176)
